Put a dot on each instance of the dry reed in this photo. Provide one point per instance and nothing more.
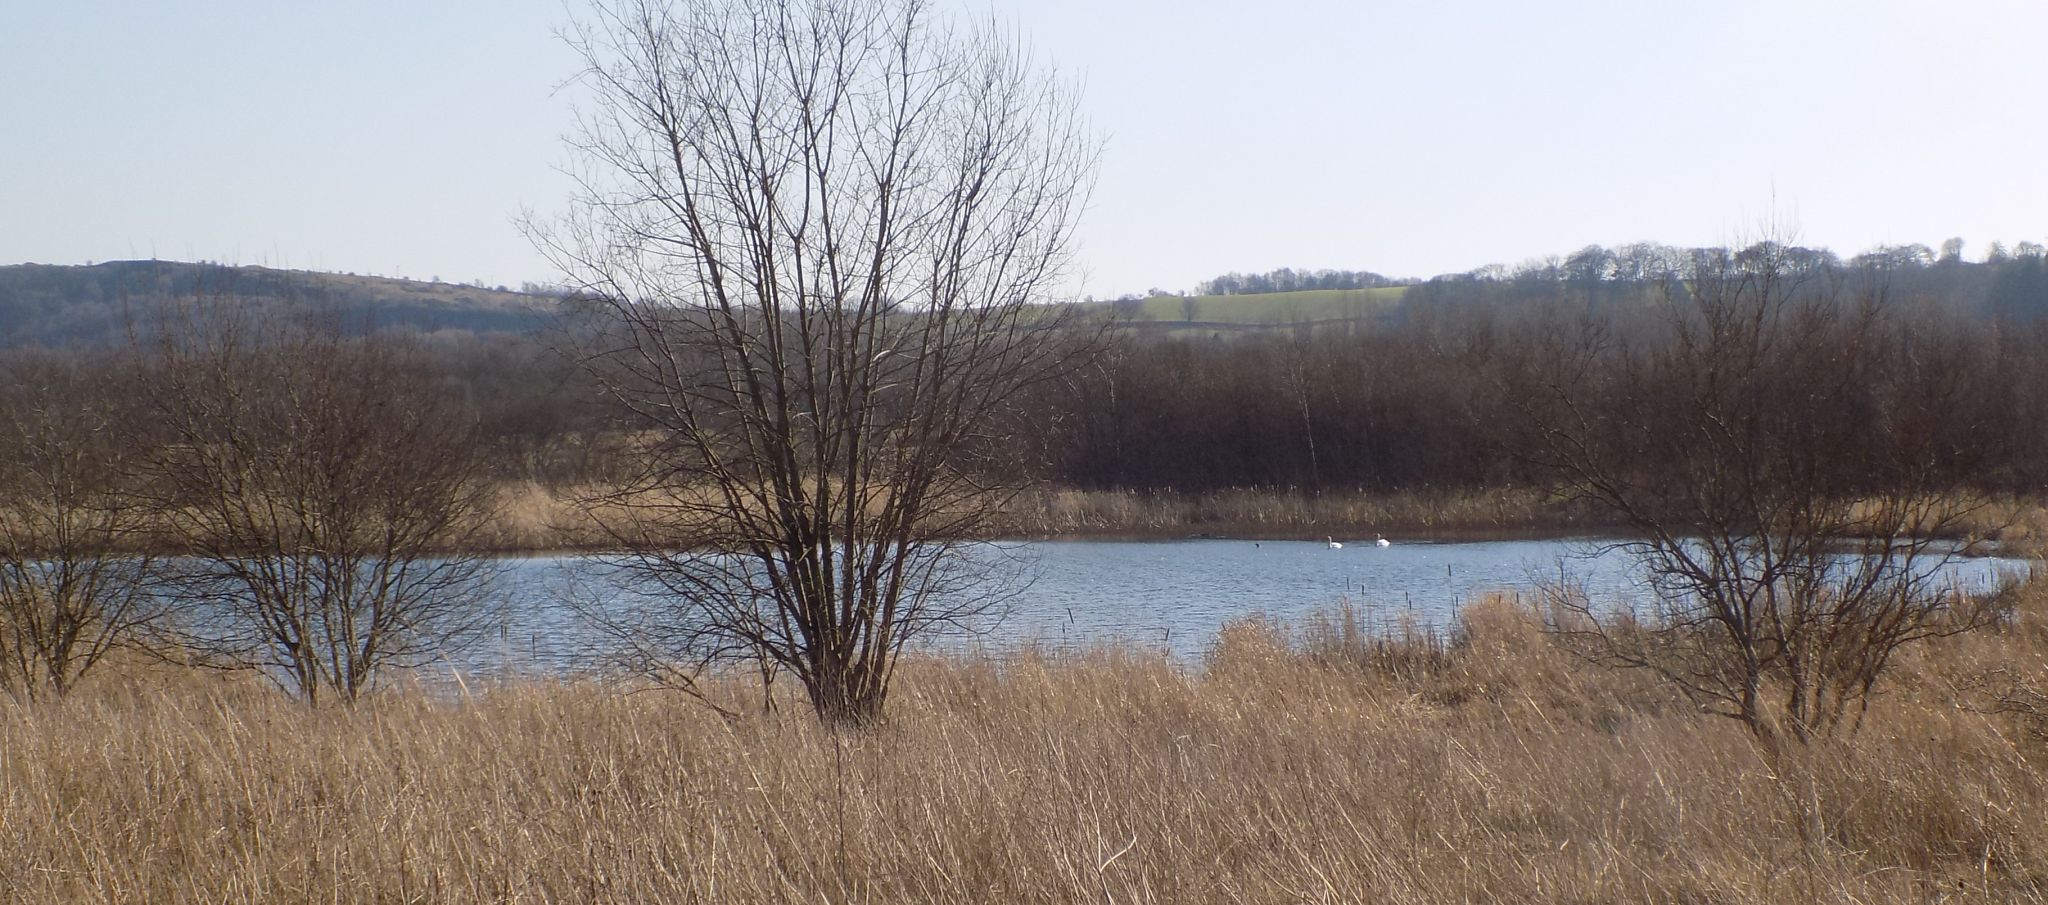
(1311, 764)
(1272, 513)
(533, 517)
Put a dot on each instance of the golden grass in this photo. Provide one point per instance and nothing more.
(531, 516)
(1292, 766)
(2019, 525)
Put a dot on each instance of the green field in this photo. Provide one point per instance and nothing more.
(1273, 308)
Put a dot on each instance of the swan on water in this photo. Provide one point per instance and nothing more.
(1332, 542)
(1382, 541)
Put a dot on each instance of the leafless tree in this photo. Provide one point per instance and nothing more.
(76, 573)
(1301, 375)
(817, 231)
(324, 500)
(1782, 445)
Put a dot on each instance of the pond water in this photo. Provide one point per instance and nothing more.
(1170, 595)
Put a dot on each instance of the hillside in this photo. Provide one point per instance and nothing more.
(1271, 308)
(59, 305)
(2008, 286)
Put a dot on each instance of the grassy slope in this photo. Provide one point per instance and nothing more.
(1277, 307)
(1323, 771)
(65, 304)
(452, 295)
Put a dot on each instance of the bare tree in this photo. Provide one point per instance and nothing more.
(76, 573)
(817, 231)
(1784, 450)
(325, 501)
(1302, 377)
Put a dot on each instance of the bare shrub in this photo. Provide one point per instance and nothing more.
(811, 246)
(325, 503)
(1783, 446)
(76, 573)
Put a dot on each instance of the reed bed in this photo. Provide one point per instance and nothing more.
(1305, 763)
(531, 516)
(1498, 512)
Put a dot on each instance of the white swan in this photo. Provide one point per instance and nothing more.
(1383, 541)
(1333, 544)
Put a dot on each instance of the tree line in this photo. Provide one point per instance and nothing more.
(1413, 401)
(1287, 279)
(2008, 282)
(1420, 400)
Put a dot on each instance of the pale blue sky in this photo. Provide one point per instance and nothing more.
(1409, 138)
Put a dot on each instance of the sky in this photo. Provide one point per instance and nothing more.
(1409, 138)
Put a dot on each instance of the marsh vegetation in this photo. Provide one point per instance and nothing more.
(1311, 762)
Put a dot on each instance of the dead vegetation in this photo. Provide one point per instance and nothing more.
(1315, 763)
(533, 516)
(1495, 512)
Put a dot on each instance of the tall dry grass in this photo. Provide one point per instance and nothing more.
(1314, 763)
(530, 516)
(1268, 513)
(2020, 525)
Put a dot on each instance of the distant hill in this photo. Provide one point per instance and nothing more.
(2010, 284)
(62, 305)
(1260, 310)
(55, 305)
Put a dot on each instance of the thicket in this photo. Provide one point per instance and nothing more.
(1428, 398)
(1412, 401)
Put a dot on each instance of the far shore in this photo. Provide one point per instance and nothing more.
(536, 519)
(1165, 535)
(539, 521)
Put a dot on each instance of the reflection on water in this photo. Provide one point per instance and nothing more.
(1170, 595)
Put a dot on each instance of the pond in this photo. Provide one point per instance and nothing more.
(1163, 595)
